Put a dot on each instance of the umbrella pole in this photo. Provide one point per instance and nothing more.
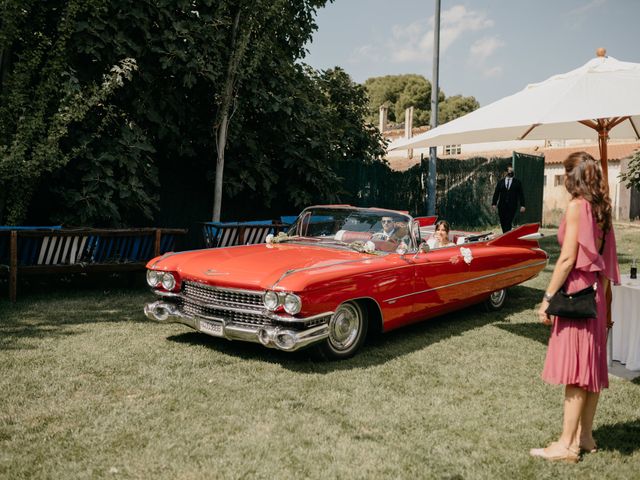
(603, 135)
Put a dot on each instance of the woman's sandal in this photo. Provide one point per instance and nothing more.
(589, 449)
(556, 452)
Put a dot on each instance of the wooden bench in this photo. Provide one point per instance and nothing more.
(44, 251)
(227, 234)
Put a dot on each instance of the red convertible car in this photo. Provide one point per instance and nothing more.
(338, 273)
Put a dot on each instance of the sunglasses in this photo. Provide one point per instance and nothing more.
(387, 221)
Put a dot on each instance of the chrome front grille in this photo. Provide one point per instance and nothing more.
(200, 310)
(221, 296)
(236, 306)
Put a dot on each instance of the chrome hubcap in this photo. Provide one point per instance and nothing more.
(344, 327)
(497, 297)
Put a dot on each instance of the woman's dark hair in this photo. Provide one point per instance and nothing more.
(584, 179)
(443, 223)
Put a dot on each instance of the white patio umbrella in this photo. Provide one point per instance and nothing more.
(600, 99)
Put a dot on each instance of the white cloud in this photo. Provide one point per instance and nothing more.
(458, 20)
(492, 72)
(480, 54)
(575, 18)
(414, 41)
(482, 49)
(366, 53)
(589, 6)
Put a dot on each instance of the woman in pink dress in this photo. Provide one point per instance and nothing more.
(577, 352)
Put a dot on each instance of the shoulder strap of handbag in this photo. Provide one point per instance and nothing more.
(604, 236)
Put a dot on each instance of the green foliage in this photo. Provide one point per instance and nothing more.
(298, 126)
(101, 100)
(111, 180)
(456, 106)
(42, 100)
(399, 92)
(632, 175)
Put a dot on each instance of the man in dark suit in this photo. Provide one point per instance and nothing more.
(507, 196)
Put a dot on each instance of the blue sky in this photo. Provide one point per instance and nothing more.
(488, 48)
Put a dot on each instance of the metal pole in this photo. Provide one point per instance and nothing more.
(431, 191)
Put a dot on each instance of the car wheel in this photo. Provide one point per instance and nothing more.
(496, 300)
(347, 331)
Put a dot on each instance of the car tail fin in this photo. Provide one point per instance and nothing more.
(526, 235)
(426, 221)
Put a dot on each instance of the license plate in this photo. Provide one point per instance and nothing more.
(211, 328)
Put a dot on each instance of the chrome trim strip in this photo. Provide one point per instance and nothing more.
(274, 316)
(296, 270)
(226, 289)
(467, 281)
(163, 293)
(396, 267)
(532, 236)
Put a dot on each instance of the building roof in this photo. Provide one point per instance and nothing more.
(552, 155)
(615, 151)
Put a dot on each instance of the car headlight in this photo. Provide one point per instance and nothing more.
(168, 281)
(292, 304)
(153, 278)
(270, 300)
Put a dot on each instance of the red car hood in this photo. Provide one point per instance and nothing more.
(252, 266)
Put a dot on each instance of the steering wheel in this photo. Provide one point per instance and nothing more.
(380, 236)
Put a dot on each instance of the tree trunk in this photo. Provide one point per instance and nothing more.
(222, 124)
(222, 142)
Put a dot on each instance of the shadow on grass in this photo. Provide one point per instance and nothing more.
(52, 314)
(621, 437)
(534, 330)
(378, 349)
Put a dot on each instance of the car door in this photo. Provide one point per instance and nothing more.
(444, 280)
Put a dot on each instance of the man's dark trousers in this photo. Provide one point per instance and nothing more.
(507, 201)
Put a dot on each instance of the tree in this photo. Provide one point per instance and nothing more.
(632, 175)
(145, 82)
(41, 97)
(401, 91)
(297, 128)
(456, 106)
(259, 23)
(397, 92)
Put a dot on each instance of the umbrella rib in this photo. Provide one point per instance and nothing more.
(529, 131)
(617, 121)
(635, 129)
(589, 123)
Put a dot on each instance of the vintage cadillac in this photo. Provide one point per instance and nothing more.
(335, 276)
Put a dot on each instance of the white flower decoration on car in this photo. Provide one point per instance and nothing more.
(271, 239)
(466, 255)
(369, 247)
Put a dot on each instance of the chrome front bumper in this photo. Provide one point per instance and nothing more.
(272, 336)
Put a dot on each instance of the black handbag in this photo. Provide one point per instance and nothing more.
(580, 304)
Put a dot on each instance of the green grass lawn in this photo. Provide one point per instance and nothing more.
(90, 389)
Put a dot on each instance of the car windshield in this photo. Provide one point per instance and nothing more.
(381, 230)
